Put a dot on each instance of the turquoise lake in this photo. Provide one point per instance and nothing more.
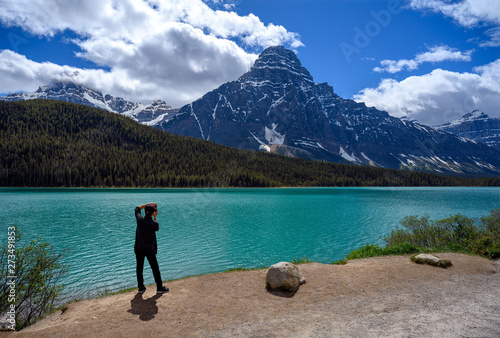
(211, 230)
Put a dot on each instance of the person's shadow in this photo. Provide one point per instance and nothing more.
(146, 309)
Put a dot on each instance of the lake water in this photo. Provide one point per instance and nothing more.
(210, 230)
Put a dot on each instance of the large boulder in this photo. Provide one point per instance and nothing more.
(284, 276)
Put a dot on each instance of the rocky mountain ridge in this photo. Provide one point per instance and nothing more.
(476, 126)
(71, 92)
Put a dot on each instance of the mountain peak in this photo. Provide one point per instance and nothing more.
(475, 115)
(278, 50)
(476, 126)
(277, 54)
(277, 63)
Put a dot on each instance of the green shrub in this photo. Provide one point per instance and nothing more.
(456, 233)
(38, 270)
(491, 224)
(373, 250)
(463, 229)
(401, 249)
(421, 232)
(453, 247)
(494, 250)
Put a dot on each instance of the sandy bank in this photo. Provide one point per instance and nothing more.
(384, 296)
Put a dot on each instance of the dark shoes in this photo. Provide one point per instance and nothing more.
(159, 290)
(162, 290)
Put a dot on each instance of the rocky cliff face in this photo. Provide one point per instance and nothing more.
(476, 126)
(277, 107)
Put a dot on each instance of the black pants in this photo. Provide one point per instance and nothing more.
(154, 266)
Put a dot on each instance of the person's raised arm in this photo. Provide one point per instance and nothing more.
(144, 205)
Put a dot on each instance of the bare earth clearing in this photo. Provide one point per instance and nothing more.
(383, 296)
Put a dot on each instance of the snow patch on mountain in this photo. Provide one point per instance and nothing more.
(272, 136)
(348, 157)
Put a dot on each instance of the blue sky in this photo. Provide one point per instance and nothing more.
(432, 60)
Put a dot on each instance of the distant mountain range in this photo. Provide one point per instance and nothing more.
(46, 143)
(71, 92)
(476, 126)
(277, 107)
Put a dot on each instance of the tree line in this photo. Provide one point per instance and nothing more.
(47, 143)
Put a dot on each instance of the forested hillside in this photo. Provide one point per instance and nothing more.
(57, 144)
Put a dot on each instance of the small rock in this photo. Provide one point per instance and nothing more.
(284, 276)
(431, 260)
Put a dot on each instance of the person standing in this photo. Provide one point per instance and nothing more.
(145, 245)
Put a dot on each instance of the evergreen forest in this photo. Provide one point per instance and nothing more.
(47, 143)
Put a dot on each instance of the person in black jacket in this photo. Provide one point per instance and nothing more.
(145, 245)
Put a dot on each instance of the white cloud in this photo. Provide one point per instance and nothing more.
(494, 35)
(467, 13)
(17, 70)
(435, 54)
(439, 96)
(174, 50)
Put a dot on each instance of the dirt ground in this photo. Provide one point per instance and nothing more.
(383, 296)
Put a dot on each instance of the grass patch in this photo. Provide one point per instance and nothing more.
(301, 260)
(373, 250)
(340, 262)
(240, 269)
(107, 292)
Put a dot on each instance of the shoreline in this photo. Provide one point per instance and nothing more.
(106, 293)
(256, 188)
(389, 296)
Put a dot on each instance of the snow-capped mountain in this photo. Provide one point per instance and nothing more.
(476, 126)
(72, 92)
(277, 107)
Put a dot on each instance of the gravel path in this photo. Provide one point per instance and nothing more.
(383, 296)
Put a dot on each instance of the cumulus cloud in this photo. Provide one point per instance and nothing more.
(174, 50)
(494, 35)
(443, 95)
(435, 54)
(467, 13)
(438, 96)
